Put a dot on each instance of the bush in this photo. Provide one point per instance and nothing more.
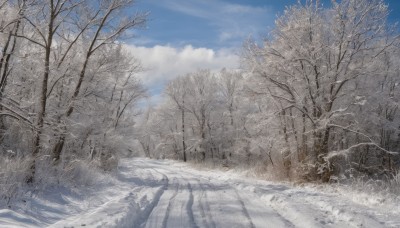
(13, 172)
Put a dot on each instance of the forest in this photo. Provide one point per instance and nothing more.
(315, 100)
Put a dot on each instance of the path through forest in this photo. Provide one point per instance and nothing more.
(156, 193)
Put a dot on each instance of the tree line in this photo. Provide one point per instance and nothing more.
(68, 86)
(316, 99)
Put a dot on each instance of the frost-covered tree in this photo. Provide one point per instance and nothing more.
(69, 87)
(312, 69)
(104, 25)
(203, 118)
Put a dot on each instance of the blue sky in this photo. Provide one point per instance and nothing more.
(214, 23)
(185, 35)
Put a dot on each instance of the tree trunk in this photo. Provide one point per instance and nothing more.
(4, 64)
(43, 95)
(325, 166)
(183, 129)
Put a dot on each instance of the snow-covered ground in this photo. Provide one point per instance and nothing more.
(154, 193)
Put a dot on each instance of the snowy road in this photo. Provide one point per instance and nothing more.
(156, 194)
(189, 198)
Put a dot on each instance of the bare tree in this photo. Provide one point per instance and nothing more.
(108, 26)
(176, 91)
(311, 63)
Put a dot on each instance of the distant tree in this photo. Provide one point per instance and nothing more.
(176, 91)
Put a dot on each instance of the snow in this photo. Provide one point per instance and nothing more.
(162, 193)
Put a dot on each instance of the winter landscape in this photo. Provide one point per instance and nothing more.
(192, 113)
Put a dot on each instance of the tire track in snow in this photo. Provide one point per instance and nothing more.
(205, 209)
(175, 208)
(226, 207)
(170, 205)
(146, 212)
(162, 206)
(189, 207)
(187, 204)
(190, 181)
(202, 212)
(244, 209)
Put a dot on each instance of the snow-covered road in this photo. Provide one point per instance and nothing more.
(156, 194)
(189, 198)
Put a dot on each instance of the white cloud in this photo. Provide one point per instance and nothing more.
(164, 63)
(244, 9)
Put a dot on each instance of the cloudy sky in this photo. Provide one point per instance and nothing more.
(185, 35)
